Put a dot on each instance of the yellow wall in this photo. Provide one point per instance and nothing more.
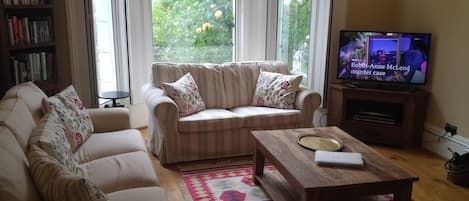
(376, 15)
(448, 21)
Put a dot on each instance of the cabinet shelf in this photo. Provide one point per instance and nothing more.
(28, 7)
(33, 46)
(377, 115)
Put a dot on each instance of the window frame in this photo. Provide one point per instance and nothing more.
(318, 47)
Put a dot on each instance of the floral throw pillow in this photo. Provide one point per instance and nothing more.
(50, 135)
(73, 114)
(276, 90)
(186, 95)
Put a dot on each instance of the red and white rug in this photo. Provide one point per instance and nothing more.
(233, 183)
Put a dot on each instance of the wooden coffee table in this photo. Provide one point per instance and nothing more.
(299, 178)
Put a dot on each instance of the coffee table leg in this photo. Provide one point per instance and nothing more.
(404, 193)
(258, 166)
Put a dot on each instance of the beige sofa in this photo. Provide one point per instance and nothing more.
(223, 129)
(115, 157)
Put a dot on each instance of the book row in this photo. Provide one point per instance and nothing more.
(26, 2)
(32, 66)
(26, 31)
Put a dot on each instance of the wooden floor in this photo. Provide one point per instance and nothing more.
(432, 184)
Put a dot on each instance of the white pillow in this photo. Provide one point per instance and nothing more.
(51, 136)
(73, 114)
(185, 93)
(276, 90)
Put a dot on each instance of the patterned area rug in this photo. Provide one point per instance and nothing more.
(233, 183)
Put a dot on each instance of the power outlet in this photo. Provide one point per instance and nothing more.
(449, 128)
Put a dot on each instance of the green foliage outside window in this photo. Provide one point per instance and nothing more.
(294, 30)
(193, 30)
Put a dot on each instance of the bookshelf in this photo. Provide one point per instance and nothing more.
(28, 46)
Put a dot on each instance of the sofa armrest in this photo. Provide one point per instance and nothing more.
(163, 117)
(109, 119)
(307, 101)
(156, 100)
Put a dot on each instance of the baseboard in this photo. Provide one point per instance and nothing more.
(435, 140)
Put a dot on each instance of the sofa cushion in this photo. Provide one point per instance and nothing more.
(276, 90)
(72, 112)
(207, 77)
(240, 78)
(264, 117)
(101, 145)
(15, 115)
(185, 93)
(56, 183)
(31, 95)
(123, 171)
(210, 120)
(51, 136)
(140, 194)
(15, 181)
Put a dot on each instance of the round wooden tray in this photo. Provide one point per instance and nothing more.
(314, 142)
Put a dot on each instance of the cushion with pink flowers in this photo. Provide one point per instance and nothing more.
(276, 90)
(51, 136)
(186, 95)
(73, 114)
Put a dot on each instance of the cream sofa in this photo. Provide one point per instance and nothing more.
(223, 129)
(115, 157)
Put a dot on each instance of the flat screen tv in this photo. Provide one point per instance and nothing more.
(384, 57)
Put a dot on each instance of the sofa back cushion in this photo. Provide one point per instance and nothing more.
(240, 78)
(31, 95)
(207, 76)
(15, 115)
(16, 182)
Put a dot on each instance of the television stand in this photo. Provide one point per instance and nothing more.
(391, 117)
(383, 86)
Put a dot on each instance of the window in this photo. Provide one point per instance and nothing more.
(302, 35)
(294, 27)
(198, 31)
(110, 41)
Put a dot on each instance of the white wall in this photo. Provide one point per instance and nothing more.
(252, 30)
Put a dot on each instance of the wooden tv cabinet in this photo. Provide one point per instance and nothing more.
(391, 117)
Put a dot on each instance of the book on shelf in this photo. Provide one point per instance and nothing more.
(29, 30)
(16, 70)
(11, 35)
(25, 2)
(43, 61)
(32, 66)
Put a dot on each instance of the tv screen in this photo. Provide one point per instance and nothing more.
(384, 56)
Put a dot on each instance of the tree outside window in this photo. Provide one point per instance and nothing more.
(193, 31)
(294, 26)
